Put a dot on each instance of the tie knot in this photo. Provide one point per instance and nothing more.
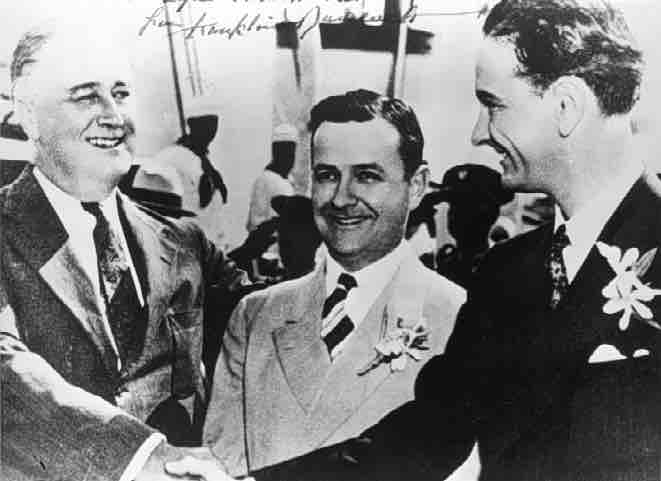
(93, 208)
(347, 281)
(560, 237)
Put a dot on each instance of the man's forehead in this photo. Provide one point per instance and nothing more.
(66, 60)
(496, 64)
(354, 142)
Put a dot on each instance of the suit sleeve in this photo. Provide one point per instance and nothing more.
(54, 430)
(224, 428)
(51, 429)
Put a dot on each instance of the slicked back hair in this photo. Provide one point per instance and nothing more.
(26, 52)
(365, 105)
(555, 38)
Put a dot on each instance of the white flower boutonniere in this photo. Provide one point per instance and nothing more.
(398, 345)
(626, 291)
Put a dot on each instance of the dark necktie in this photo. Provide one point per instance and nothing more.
(121, 300)
(336, 325)
(556, 266)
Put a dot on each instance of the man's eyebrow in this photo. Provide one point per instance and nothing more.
(371, 165)
(323, 166)
(120, 83)
(84, 86)
(487, 98)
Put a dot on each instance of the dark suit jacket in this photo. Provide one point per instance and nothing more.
(47, 302)
(516, 376)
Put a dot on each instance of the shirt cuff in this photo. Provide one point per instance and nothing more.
(140, 457)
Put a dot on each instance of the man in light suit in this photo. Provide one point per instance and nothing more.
(554, 363)
(297, 371)
(100, 300)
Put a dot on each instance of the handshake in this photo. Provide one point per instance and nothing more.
(168, 463)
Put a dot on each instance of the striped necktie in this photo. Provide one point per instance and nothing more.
(336, 324)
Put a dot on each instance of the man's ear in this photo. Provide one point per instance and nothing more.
(25, 117)
(418, 186)
(569, 96)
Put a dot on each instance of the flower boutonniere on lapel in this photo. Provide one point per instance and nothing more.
(397, 345)
(626, 292)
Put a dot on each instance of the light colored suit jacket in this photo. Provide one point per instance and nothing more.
(276, 393)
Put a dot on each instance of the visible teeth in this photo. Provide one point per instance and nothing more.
(104, 143)
(349, 221)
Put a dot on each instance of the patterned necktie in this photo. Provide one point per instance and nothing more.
(556, 266)
(336, 324)
(122, 305)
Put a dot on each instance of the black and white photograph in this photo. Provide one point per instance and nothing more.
(330, 240)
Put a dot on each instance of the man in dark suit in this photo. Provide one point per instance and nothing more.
(100, 300)
(553, 366)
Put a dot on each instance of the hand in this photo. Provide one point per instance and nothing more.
(200, 463)
(168, 463)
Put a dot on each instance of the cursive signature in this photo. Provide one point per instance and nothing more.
(204, 26)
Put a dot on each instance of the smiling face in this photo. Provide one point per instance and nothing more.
(76, 104)
(514, 120)
(360, 195)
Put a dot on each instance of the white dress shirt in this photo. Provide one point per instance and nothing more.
(584, 227)
(370, 280)
(79, 225)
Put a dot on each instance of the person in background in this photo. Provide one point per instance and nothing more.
(204, 190)
(475, 195)
(298, 235)
(273, 181)
(421, 227)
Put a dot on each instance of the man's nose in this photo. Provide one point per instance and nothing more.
(111, 115)
(481, 129)
(344, 194)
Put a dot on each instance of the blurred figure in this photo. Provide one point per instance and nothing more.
(298, 236)
(274, 180)
(475, 195)
(205, 191)
(160, 190)
(421, 227)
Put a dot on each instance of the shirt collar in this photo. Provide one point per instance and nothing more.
(79, 224)
(584, 227)
(70, 210)
(373, 277)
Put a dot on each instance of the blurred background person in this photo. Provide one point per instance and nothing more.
(274, 180)
(204, 190)
(475, 195)
(298, 235)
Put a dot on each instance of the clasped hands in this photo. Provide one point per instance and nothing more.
(168, 463)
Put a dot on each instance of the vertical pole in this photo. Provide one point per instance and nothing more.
(196, 58)
(191, 76)
(393, 13)
(175, 74)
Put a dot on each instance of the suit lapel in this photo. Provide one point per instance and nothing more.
(564, 338)
(344, 390)
(154, 251)
(635, 223)
(298, 344)
(42, 240)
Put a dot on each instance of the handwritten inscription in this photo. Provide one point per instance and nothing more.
(204, 26)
